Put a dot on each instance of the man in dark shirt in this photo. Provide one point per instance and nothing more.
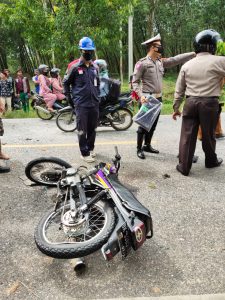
(82, 76)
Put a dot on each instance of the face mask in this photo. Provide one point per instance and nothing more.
(87, 56)
(45, 73)
(160, 49)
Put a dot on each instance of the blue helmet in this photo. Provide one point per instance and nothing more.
(86, 44)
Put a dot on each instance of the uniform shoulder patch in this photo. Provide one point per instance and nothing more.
(74, 63)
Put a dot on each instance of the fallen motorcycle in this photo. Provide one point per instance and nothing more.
(117, 115)
(93, 211)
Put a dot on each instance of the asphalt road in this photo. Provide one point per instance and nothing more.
(186, 255)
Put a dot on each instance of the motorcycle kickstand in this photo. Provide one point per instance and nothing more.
(79, 265)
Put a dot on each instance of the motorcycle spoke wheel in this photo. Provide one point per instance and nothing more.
(60, 239)
(96, 223)
(43, 115)
(66, 121)
(46, 171)
(122, 119)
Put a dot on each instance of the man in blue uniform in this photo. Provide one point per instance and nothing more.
(82, 76)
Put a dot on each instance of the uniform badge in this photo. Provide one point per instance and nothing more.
(138, 66)
(80, 71)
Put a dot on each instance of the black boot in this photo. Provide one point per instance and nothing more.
(148, 148)
(140, 138)
(4, 169)
(140, 154)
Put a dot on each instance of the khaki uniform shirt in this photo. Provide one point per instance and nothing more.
(200, 77)
(150, 73)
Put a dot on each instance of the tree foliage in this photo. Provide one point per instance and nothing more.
(48, 31)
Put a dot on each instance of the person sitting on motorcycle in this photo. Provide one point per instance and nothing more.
(56, 84)
(103, 74)
(45, 87)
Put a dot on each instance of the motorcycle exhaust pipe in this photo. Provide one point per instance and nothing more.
(42, 109)
(78, 265)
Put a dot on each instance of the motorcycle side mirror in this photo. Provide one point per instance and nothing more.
(117, 156)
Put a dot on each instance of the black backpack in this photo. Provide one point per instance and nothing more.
(114, 89)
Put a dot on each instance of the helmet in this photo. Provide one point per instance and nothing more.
(86, 44)
(102, 64)
(206, 40)
(54, 72)
(42, 67)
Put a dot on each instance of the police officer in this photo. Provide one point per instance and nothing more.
(83, 77)
(147, 79)
(200, 81)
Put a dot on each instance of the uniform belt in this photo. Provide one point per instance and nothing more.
(155, 95)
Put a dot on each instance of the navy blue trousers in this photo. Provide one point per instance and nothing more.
(87, 122)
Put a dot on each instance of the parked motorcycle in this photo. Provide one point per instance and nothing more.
(17, 103)
(40, 106)
(93, 211)
(118, 115)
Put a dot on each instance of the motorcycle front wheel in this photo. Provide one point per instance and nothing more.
(46, 170)
(58, 238)
(121, 119)
(66, 121)
(44, 115)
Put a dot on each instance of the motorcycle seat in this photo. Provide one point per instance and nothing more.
(129, 200)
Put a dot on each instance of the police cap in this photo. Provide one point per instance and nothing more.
(154, 39)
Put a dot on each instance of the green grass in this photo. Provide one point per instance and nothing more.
(169, 82)
(17, 114)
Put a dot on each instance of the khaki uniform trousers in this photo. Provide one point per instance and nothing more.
(203, 111)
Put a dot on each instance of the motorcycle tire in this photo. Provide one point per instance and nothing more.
(66, 121)
(73, 249)
(119, 119)
(42, 115)
(46, 170)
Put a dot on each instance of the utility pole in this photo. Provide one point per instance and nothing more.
(121, 55)
(130, 42)
(44, 3)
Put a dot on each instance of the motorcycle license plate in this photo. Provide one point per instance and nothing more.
(124, 239)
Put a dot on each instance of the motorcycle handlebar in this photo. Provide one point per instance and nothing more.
(117, 156)
(101, 164)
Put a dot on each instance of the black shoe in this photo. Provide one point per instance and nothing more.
(140, 154)
(148, 148)
(217, 164)
(179, 170)
(4, 169)
(220, 136)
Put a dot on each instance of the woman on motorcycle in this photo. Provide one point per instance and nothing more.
(45, 87)
(56, 84)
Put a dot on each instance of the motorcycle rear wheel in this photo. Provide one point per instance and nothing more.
(66, 121)
(122, 119)
(46, 170)
(51, 239)
(42, 115)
